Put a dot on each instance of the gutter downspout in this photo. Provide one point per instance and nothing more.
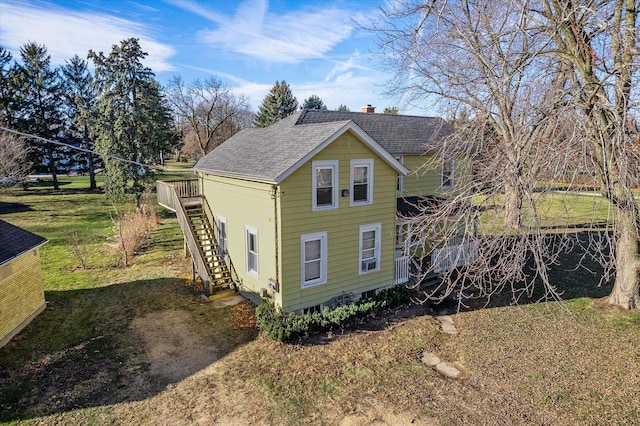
(274, 196)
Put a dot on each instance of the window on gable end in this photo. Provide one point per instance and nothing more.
(361, 182)
(313, 259)
(325, 185)
(369, 256)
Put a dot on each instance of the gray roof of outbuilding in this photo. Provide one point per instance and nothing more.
(15, 241)
(398, 134)
(270, 154)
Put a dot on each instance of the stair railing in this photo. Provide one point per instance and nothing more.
(195, 249)
(209, 213)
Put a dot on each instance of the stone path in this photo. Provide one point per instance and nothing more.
(445, 368)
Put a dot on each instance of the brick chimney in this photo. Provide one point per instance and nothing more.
(368, 109)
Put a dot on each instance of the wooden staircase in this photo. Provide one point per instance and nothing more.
(217, 269)
(194, 214)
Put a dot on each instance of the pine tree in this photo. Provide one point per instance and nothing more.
(79, 95)
(343, 108)
(7, 91)
(314, 102)
(132, 120)
(278, 104)
(38, 104)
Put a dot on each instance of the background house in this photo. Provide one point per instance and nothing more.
(21, 293)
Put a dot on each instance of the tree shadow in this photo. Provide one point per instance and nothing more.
(8, 208)
(574, 275)
(87, 350)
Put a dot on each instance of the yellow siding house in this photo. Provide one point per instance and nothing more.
(308, 211)
(21, 293)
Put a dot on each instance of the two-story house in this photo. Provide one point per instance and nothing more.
(305, 210)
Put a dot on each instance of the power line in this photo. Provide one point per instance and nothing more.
(30, 136)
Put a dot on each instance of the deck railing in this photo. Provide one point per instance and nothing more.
(401, 269)
(453, 256)
(183, 189)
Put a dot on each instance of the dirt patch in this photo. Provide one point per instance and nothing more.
(173, 349)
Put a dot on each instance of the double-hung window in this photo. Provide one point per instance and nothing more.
(361, 182)
(448, 164)
(369, 256)
(251, 241)
(325, 184)
(313, 259)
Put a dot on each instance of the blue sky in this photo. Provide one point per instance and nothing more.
(314, 45)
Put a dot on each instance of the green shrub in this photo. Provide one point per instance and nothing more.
(285, 327)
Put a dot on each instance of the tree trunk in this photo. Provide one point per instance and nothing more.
(92, 172)
(626, 287)
(512, 205)
(52, 166)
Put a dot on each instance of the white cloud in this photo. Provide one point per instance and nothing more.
(288, 38)
(66, 33)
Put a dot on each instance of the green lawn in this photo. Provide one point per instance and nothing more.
(83, 361)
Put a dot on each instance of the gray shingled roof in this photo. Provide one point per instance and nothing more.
(16, 241)
(264, 154)
(398, 134)
(271, 153)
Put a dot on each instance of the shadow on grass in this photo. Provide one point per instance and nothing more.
(575, 275)
(83, 351)
(9, 208)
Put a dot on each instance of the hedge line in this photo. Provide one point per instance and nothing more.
(285, 327)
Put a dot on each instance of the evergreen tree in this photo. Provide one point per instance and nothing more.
(343, 108)
(391, 110)
(314, 102)
(132, 120)
(38, 104)
(278, 104)
(7, 91)
(79, 95)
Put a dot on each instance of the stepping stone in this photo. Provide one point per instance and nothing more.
(447, 370)
(445, 318)
(430, 359)
(449, 328)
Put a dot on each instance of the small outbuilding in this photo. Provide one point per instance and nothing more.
(21, 291)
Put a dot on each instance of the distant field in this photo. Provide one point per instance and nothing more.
(137, 346)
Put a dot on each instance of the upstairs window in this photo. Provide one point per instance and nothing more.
(361, 182)
(325, 185)
(447, 173)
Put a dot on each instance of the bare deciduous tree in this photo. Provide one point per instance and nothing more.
(483, 57)
(597, 41)
(210, 111)
(14, 165)
(549, 85)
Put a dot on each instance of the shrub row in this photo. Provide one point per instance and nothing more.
(285, 327)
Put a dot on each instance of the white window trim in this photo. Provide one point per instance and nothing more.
(223, 243)
(368, 163)
(251, 230)
(333, 164)
(452, 162)
(364, 228)
(322, 236)
(400, 184)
